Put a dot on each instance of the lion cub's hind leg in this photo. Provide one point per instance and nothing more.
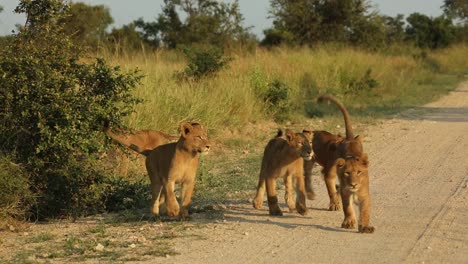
(288, 193)
(300, 194)
(308, 166)
(258, 200)
(156, 194)
(272, 197)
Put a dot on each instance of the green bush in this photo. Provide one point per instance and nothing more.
(16, 197)
(202, 63)
(427, 62)
(52, 109)
(278, 98)
(310, 91)
(365, 84)
(121, 194)
(275, 94)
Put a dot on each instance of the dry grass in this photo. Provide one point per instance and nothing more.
(229, 99)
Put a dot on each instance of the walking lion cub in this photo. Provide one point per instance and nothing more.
(354, 187)
(283, 158)
(173, 163)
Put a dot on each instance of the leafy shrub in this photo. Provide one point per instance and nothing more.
(310, 89)
(276, 37)
(427, 62)
(120, 194)
(259, 81)
(275, 94)
(52, 109)
(202, 63)
(278, 97)
(365, 84)
(15, 196)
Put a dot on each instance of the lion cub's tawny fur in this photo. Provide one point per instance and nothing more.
(176, 163)
(283, 158)
(327, 149)
(354, 188)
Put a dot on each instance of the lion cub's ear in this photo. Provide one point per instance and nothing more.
(307, 133)
(185, 129)
(360, 138)
(340, 162)
(290, 135)
(364, 159)
(279, 133)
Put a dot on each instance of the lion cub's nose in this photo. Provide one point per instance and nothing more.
(353, 185)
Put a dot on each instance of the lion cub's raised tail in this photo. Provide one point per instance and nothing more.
(347, 120)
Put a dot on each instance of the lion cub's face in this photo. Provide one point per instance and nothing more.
(352, 171)
(195, 138)
(301, 142)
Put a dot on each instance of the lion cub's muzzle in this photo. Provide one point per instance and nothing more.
(353, 187)
(205, 149)
(308, 157)
(307, 154)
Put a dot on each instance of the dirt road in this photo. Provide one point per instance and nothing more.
(419, 176)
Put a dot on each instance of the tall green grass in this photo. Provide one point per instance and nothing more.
(404, 79)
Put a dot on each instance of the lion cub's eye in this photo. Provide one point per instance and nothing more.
(359, 173)
(347, 174)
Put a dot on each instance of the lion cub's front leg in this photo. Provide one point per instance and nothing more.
(350, 218)
(171, 201)
(330, 181)
(186, 197)
(364, 207)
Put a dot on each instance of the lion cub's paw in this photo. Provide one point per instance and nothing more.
(257, 204)
(276, 211)
(366, 229)
(185, 217)
(184, 214)
(334, 207)
(301, 209)
(349, 223)
(173, 211)
(155, 212)
(311, 195)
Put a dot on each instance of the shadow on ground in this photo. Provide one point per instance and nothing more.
(438, 114)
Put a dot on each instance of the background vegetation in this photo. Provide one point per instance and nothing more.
(55, 95)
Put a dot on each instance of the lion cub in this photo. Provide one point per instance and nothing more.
(354, 187)
(283, 157)
(173, 163)
(327, 149)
